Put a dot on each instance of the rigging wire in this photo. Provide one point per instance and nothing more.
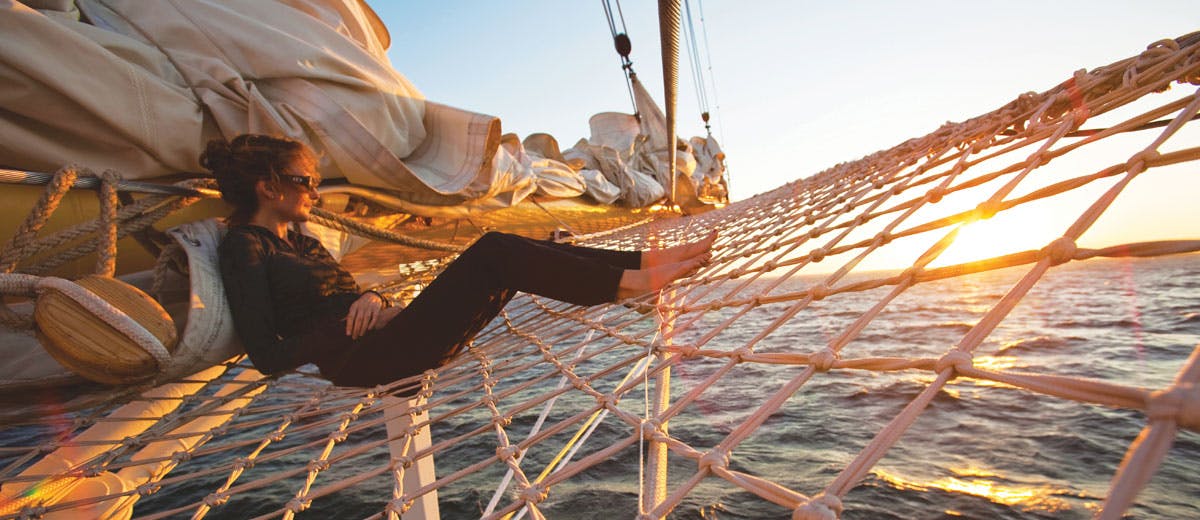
(623, 45)
(712, 78)
(698, 77)
(689, 30)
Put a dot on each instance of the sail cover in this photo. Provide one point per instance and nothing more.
(141, 87)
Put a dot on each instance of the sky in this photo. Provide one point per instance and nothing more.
(795, 86)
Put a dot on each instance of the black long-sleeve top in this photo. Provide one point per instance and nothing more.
(278, 291)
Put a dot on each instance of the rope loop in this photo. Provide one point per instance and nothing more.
(1060, 251)
(957, 359)
(1180, 403)
(820, 507)
(106, 259)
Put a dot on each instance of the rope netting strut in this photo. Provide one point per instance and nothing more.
(524, 407)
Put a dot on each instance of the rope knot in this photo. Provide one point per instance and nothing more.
(181, 456)
(608, 401)
(651, 429)
(935, 195)
(1060, 251)
(817, 254)
(110, 177)
(317, 465)
(534, 494)
(297, 505)
(819, 292)
(32, 512)
(1137, 163)
(216, 499)
(986, 210)
(243, 463)
(820, 507)
(504, 453)
(398, 506)
(1180, 403)
(823, 361)
(403, 461)
(338, 435)
(957, 359)
(148, 488)
(717, 458)
(883, 238)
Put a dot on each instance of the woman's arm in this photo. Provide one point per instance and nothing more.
(244, 272)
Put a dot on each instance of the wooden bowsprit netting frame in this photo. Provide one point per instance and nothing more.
(552, 399)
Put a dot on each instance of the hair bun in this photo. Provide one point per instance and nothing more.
(217, 156)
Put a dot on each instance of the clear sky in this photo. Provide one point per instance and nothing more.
(799, 85)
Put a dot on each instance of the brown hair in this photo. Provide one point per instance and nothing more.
(240, 163)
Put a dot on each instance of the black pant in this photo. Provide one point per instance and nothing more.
(465, 298)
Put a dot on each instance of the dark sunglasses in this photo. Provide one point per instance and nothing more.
(303, 180)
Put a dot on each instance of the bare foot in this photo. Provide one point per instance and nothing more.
(644, 281)
(679, 253)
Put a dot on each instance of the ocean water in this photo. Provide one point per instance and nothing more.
(979, 451)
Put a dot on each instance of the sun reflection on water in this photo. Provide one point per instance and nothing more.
(995, 488)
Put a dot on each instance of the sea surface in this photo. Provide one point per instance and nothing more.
(979, 451)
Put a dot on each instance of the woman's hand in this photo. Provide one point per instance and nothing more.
(364, 314)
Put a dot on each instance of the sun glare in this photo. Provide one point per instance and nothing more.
(1012, 231)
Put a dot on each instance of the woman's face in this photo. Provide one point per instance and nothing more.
(297, 188)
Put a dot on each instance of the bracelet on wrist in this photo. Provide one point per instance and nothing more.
(386, 302)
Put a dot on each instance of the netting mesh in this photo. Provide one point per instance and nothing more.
(521, 413)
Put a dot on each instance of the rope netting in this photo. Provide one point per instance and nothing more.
(552, 401)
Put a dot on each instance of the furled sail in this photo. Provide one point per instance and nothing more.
(113, 84)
